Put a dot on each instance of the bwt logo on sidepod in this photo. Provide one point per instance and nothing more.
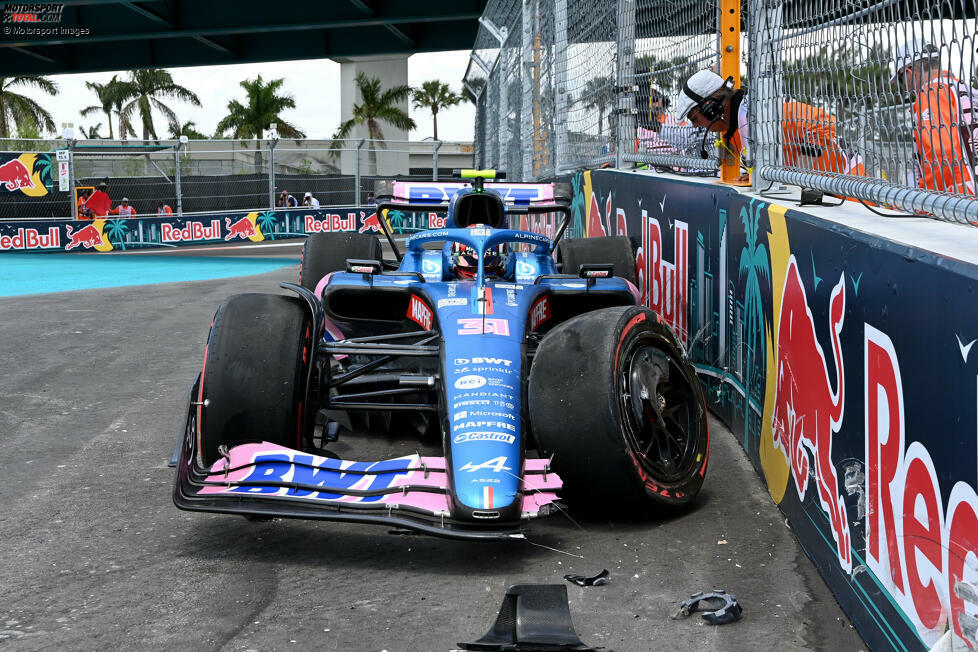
(806, 411)
(464, 361)
(14, 175)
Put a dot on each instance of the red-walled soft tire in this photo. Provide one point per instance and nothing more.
(254, 373)
(619, 452)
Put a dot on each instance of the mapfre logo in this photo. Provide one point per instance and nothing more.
(33, 13)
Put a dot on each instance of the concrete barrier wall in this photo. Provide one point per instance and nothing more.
(843, 364)
(128, 233)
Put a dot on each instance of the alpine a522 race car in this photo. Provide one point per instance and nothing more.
(527, 357)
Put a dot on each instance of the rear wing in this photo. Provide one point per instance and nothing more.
(518, 198)
(441, 192)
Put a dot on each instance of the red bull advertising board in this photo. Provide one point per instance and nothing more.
(842, 363)
(106, 234)
(27, 174)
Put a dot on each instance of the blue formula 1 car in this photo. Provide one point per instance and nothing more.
(528, 359)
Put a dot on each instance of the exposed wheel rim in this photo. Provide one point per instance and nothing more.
(660, 412)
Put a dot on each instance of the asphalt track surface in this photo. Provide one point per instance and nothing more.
(95, 555)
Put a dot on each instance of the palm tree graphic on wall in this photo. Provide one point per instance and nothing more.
(266, 222)
(115, 231)
(396, 219)
(42, 167)
(754, 264)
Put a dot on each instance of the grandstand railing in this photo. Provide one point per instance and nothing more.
(223, 175)
(564, 85)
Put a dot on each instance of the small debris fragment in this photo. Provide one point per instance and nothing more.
(722, 542)
(597, 580)
(725, 608)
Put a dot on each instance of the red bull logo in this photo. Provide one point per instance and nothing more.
(14, 175)
(31, 239)
(371, 223)
(921, 548)
(192, 231)
(664, 285)
(807, 412)
(331, 223)
(87, 237)
(243, 228)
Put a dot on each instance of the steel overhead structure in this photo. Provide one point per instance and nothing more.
(103, 35)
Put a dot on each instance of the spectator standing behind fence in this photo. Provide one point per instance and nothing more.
(808, 133)
(309, 200)
(99, 203)
(83, 212)
(288, 201)
(163, 209)
(124, 209)
(945, 127)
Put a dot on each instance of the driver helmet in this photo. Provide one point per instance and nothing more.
(466, 260)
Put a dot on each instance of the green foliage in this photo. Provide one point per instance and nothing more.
(188, 129)
(141, 93)
(110, 98)
(376, 105)
(842, 81)
(263, 107)
(21, 112)
(597, 95)
(668, 74)
(434, 96)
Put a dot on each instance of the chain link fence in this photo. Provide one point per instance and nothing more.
(867, 100)
(226, 175)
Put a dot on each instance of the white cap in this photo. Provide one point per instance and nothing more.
(704, 83)
(908, 53)
(125, 199)
(308, 194)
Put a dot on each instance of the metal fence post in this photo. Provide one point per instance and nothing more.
(434, 161)
(560, 52)
(525, 151)
(625, 90)
(765, 108)
(729, 24)
(71, 176)
(176, 177)
(356, 178)
(271, 173)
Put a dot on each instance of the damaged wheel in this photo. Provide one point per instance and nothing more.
(254, 374)
(615, 402)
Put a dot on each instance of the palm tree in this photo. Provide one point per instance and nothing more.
(91, 132)
(753, 263)
(597, 94)
(263, 108)
(109, 100)
(376, 105)
(434, 95)
(116, 230)
(17, 109)
(141, 93)
(188, 129)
